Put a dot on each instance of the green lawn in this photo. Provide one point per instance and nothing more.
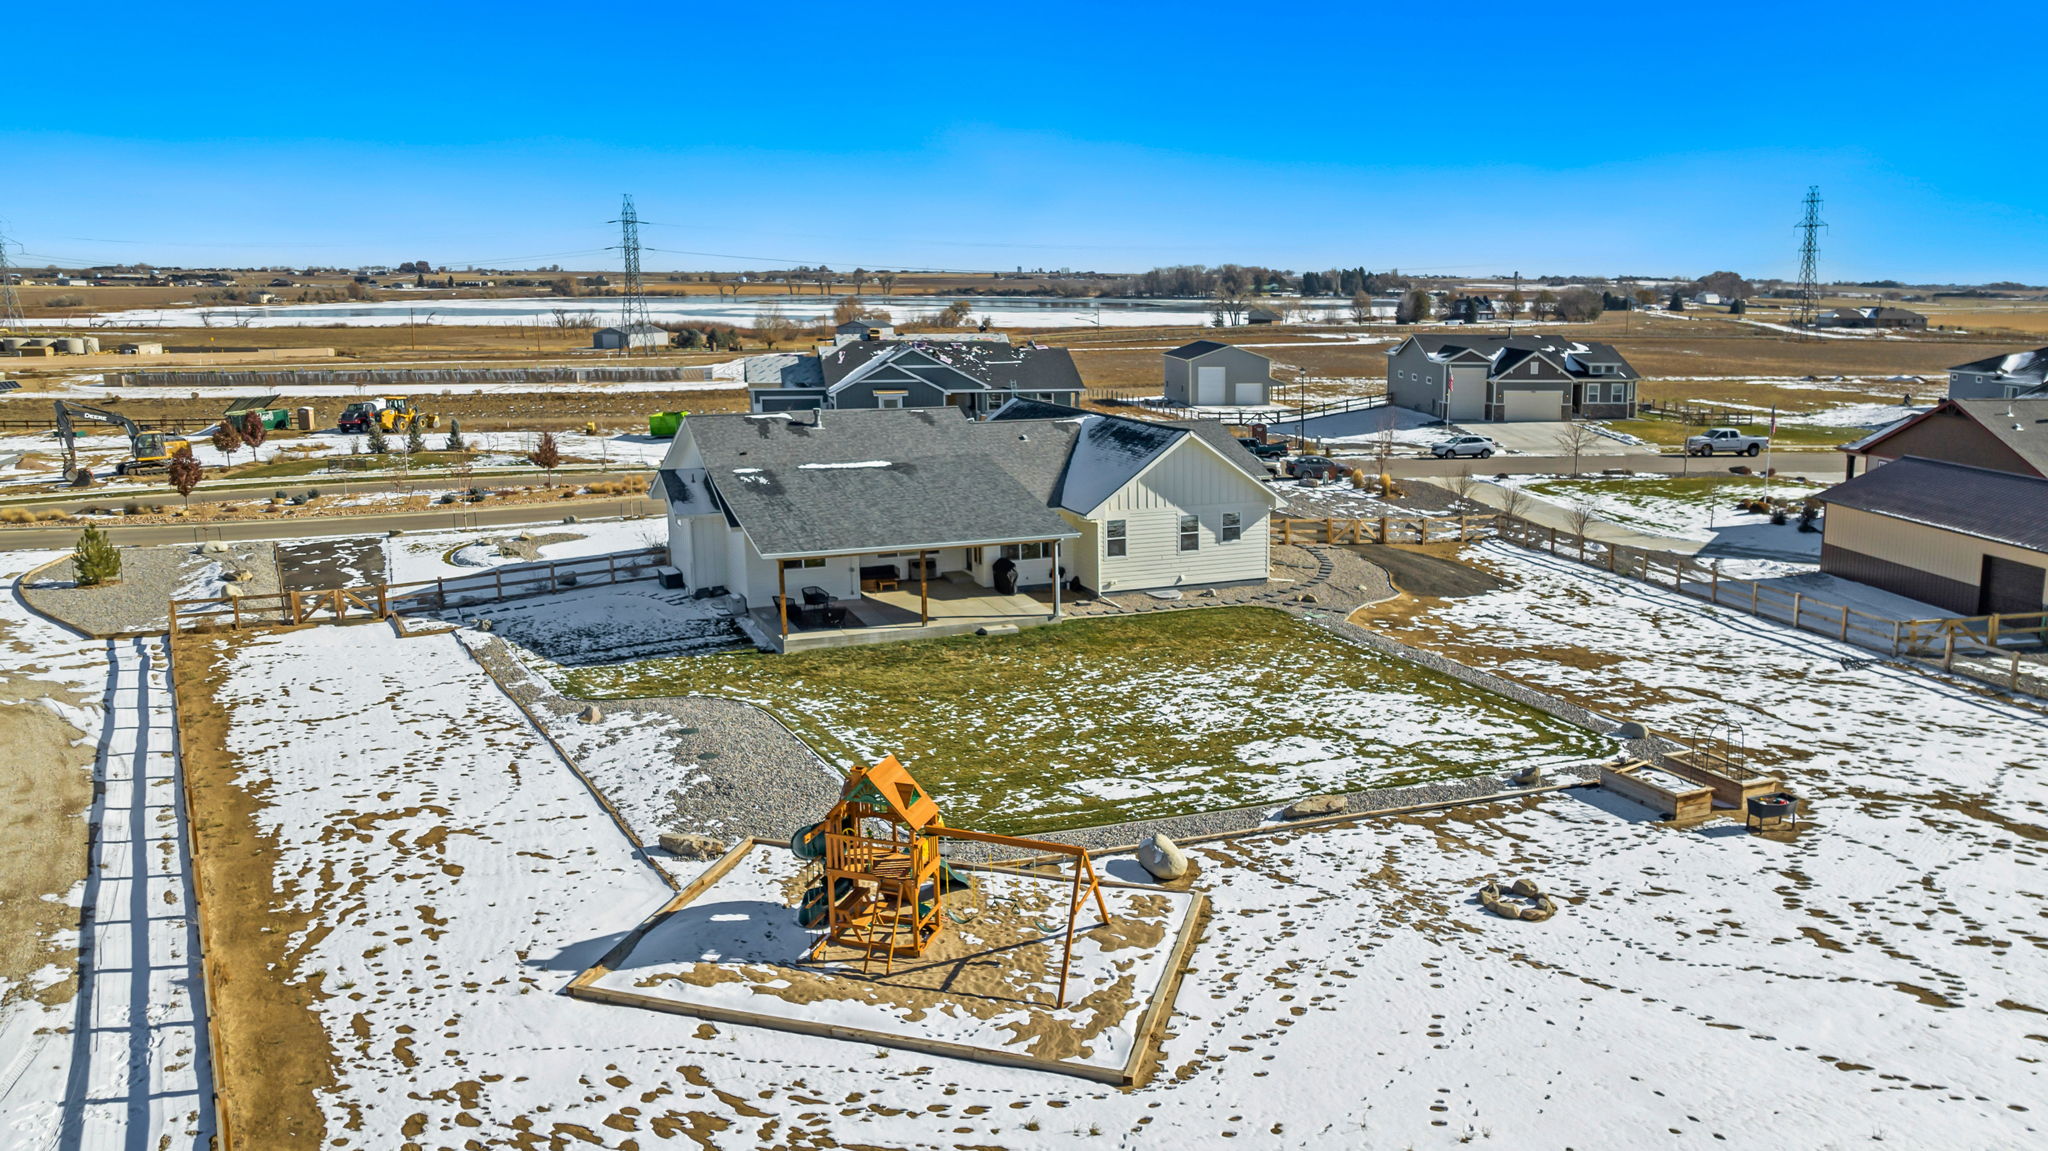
(1096, 721)
(1669, 433)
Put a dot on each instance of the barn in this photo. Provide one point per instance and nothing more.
(1973, 541)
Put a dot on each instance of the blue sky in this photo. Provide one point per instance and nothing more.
(1654, 139)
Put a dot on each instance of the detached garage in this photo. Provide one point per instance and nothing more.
(1969, 540)
(1209, 374)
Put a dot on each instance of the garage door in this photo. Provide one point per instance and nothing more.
(1248, 394)
(1529, 404)
(1209, 386)
(2010, 586)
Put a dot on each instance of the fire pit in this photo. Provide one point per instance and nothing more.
(1771, 811)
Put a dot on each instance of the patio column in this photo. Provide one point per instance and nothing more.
(924, 611)
(1056, 580)
(782, 593)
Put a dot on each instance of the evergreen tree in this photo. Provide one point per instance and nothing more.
(377, 444)
(415, 439)
(96, 560)
(455, 443)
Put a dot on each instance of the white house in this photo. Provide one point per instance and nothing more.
(895, 523)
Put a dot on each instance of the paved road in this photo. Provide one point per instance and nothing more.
(140, 1070)
(1820, 465)
(114, 496)
(30, 538)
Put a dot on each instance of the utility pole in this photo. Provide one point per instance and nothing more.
(634, 312)
(1809, 259)
(10, 304)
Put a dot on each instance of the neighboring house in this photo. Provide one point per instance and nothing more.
(1972, 541)
(975, 376)
(1999, 377)
(1211, 374)
(1880, 317)
(1472, 310)
(1510, 378)
(886, 511)
(2003, 435)
(631, 336)
(862, 330)
(1263, 316)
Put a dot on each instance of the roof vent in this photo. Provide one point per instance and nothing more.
(1022, 436)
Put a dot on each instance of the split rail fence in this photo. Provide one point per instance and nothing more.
(1990, 648)
(1383, 529)
(382, 601)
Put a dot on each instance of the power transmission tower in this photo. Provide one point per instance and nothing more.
(10, 304)
(634, 314)
(1809, 258)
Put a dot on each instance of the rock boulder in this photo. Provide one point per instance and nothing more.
(1162, 857)
(683, 845)
(1316, 805)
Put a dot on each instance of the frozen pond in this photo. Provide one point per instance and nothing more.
(1001, 311)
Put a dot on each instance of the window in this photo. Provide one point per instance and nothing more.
(1190, 533)
(1116, 538)
(888, 399)
(792, 565)
(1532, 367)
(1231, 528)
(1037, 551)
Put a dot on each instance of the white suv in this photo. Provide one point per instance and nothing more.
(1478, 446)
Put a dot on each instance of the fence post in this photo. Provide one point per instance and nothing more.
(1993, 626)
(383, 601)
(1796, 596)
(1948, 648)
(1752, 598)
(1896, 624)
(611, 568)
(1714, 591)
(1611, 549)
(238, 615)
(440, 593)
(2015, 672)
(1553, 541)
(498, 577)
(1844, 637)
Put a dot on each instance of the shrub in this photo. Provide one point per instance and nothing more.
(415, 439)
(455, 443)
(375, 441)
(65, 301)
(96, 559)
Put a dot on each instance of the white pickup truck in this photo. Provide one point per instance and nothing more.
(1718, 440)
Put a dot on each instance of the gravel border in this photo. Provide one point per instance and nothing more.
(140, 602)
(761, 780)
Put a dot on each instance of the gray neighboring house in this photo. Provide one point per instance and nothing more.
(862, 330)
(630, 336)
(975, 376)
(1878, 317)
(1510, 378)
(1999, 377)
(1207, 373)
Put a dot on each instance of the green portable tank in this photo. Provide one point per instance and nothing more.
(665, 425)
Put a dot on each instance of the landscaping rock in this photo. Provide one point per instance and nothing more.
(1316, 805)
(684, 845)
(482, 625)
(1162, 857)
(1305, 597)
(997, 629)
(591, 713)
(213, 548)
(1525, 887)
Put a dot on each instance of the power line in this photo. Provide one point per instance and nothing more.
(1809, 258)
(635, 318)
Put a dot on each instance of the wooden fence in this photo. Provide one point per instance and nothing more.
(1987, 648)
(1383, 529)
(382, 601)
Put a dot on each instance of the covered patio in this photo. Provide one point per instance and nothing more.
(909, 594)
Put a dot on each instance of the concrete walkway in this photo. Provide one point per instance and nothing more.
(140, 1074)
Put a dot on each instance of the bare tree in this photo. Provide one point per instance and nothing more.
(772, 326)
(1512, 303)
(1464, 483)
(1579, 516)
(860, 276)
(888, 282)
(1515, 502)
(1575, 438)
(1361, 308)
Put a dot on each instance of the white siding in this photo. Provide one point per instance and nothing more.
(1189, 480)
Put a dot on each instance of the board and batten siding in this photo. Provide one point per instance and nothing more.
(1948, 557)
(1188, 480)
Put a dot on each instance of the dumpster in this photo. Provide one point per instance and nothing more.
(665, 425)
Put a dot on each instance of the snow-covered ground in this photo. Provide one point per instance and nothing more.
(124, 1062)
(1690, 510)
(1366, 426)
(431, 555)
(1876, 978)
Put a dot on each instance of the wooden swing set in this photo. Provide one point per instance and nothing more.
(883, 886)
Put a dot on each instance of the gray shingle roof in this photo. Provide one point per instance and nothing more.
(1991, 505)
(2020, 424)
(783, 369)
(1197, 349)
(959, 365)
(1572, 355)
(884, 480)
(2029, 363)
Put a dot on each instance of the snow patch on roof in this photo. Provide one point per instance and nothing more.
(858, 464)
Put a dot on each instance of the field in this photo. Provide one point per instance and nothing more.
(1691, 507)
(1104, 720)
(1873, 977)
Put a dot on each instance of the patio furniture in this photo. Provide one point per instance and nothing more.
(815, 596)
(879, 577)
